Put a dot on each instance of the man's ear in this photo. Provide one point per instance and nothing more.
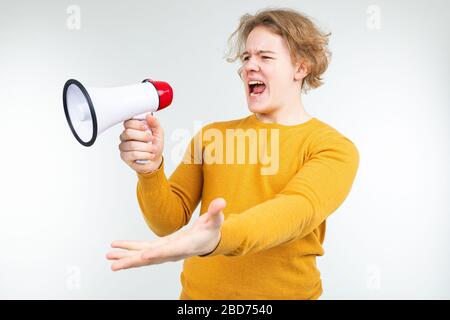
(301, 70)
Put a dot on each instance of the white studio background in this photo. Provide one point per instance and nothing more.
(62, 204)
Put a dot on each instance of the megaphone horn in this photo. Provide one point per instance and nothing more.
(91, 111)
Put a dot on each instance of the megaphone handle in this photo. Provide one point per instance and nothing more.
(144, 161)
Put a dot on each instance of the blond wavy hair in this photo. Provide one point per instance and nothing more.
(305, 41)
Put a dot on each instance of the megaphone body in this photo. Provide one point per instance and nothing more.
(90, 111)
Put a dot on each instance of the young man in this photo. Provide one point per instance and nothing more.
(264, 203)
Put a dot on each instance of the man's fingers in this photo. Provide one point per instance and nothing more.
(137, 146)
(128, 262)
(161, 253)
(115, 255)
(131, 245)
(141, 245)
(135, 124)
(141, 253)
(137, 155)
(133, 134)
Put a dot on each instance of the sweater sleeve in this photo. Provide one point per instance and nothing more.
(167, 204)
(313, 193)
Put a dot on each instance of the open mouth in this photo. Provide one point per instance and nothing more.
(256, 88)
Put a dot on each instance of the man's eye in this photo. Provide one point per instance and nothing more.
(265, 57)
(245, 58)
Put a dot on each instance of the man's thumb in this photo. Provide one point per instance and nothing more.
(214, 212)
(153, 124)
(216, 206)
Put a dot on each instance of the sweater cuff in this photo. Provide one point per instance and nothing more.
(150, 181)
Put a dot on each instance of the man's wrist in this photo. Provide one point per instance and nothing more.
(215, 247)
(156, 169)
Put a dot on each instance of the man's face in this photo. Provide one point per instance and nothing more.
(267, 60)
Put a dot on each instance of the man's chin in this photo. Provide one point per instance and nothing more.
(257, 108)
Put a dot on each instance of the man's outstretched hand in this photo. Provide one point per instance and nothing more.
(201, 239)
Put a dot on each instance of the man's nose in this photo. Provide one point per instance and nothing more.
(251, 65)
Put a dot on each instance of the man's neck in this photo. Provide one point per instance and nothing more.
(289, 116)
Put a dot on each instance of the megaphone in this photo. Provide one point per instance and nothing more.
(91, 111)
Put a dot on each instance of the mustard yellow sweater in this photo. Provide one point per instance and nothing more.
(280, 184)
